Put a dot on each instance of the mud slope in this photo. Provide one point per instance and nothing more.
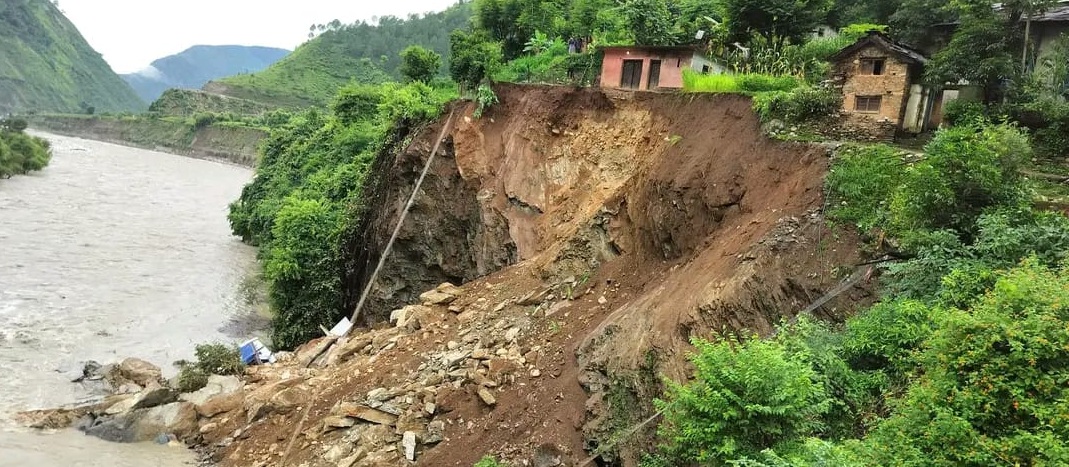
(595, 234)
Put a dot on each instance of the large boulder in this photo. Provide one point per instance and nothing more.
(177, 418)
(140, 372)
(221, 394)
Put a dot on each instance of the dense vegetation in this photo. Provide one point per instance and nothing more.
(306, 194)
(963, 360)
(45, 64)
(364, 53)
(195, 66)
(21, 153)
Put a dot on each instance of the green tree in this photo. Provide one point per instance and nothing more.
(420, 64)
(775, 20)
(746, 397)
(473, 58)
(650, 21)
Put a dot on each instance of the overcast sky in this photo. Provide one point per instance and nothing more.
(132, 33)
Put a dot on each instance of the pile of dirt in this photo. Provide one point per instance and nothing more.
(593, 234)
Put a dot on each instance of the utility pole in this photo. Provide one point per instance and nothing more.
(1027, 36)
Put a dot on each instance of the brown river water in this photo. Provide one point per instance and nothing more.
(112, 252)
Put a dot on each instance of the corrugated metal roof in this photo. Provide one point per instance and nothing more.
(1059, 13)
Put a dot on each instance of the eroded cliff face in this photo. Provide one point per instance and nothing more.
(609, 229)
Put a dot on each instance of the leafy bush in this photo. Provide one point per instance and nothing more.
(14, 124)
(801, 105)
(966, 170)
(947, 270)
(992, 386)
(211, 359)
(746, 397)
(861, 182)
(484, 99)
(21, 153)
(963, 112)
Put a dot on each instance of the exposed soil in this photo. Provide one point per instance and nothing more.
(594, 235)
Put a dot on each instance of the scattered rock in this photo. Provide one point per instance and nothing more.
(367, 414)
(220, 403)
(408, 441)
(152, 397)
(221, 394)
(512, 334)
(436, 297)
(178, 418)
(536, 373)
(452, 359)
(435, 432)
(487, 397)
(140, 372)
(602, 300)
(547, 455)
(335, 422)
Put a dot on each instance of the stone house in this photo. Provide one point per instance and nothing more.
(881, 85)
(651, 67)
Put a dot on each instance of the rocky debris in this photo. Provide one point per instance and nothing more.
(140, 372)
(152, 397)
(178, 418)
(221, 394)
(444, 294)
(334, 421)
(408, 442)
(367, 414)
(487, 397)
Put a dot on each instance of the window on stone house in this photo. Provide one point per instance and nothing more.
(867, 103)
(873, 66)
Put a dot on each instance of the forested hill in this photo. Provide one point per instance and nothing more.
(195, 66)
(362, 52)
(46, 64)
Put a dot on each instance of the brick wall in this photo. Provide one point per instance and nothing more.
(673, 62)
(892, 86)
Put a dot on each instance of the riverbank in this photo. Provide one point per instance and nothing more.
(218, 141)
(107, 252)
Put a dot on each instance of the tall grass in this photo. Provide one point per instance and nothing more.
(739, 83)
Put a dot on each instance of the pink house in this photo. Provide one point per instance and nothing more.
(651, 67)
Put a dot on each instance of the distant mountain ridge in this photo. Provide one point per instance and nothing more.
(197, 65)
(46, 64)
(362, 52)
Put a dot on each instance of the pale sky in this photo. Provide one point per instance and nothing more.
(132, 33)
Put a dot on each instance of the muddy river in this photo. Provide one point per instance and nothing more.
(107, 253)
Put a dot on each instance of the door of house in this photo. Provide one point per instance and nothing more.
(655, 75)
(632, 75)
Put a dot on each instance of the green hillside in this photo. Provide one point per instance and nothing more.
(362, 52)
(46, 64)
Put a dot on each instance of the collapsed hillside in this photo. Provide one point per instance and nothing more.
(595, 234)
(592, 234)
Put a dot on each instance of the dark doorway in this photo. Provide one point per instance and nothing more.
(655, 75)
(632, 75)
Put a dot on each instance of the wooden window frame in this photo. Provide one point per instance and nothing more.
(868, 106)
(873, 66)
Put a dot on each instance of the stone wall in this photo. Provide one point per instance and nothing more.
(892, 86)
